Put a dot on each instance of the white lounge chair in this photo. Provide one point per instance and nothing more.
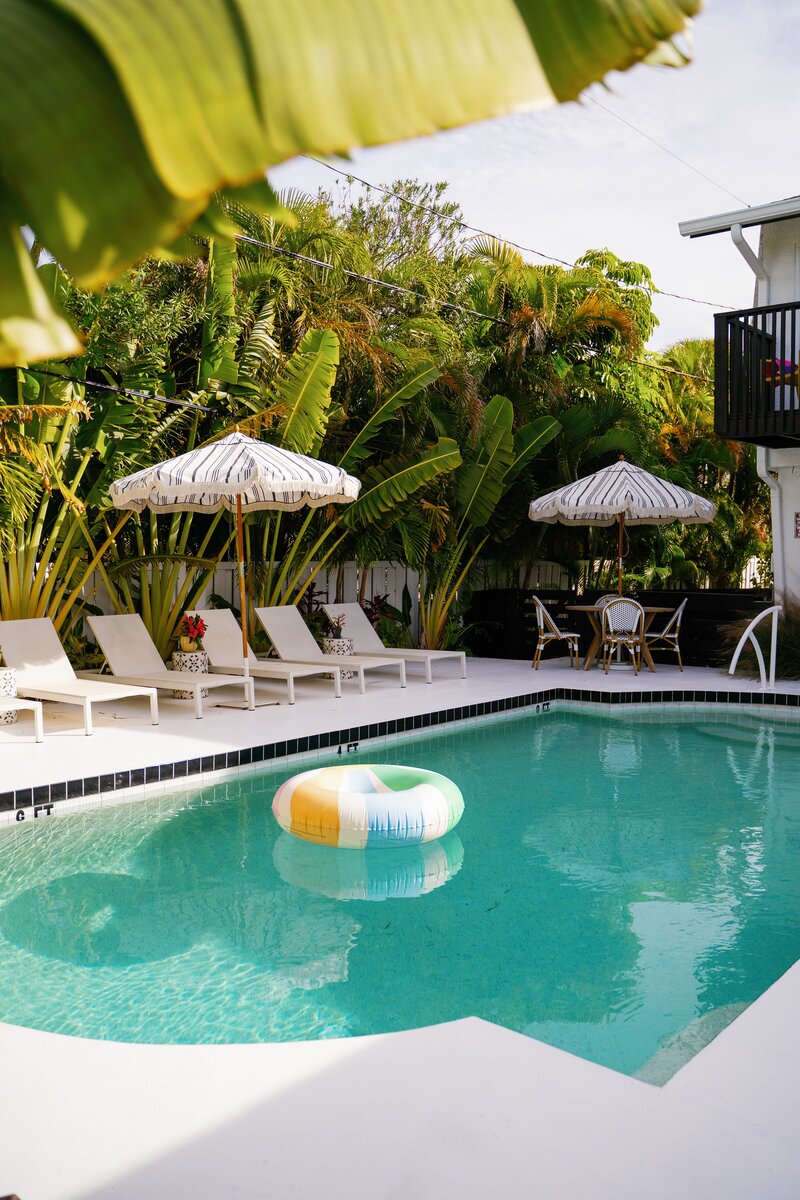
(133, 658)
(14, 703)
(44, 672)
(294, 642)
(222, 642)
(366, 641)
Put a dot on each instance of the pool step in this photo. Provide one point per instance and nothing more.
(676, 1051)
(787, 737)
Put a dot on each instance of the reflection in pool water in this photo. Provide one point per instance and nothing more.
(618, 888)
(404, 872)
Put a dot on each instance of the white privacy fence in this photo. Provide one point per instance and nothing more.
(382, 579)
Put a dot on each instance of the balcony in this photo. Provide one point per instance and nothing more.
(756, 354)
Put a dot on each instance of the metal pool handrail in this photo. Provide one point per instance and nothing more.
(748, 634)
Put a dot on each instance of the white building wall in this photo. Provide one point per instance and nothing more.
(780, 254)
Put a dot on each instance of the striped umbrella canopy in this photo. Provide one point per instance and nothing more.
(625, 494)
(235, 472)
(239, 473)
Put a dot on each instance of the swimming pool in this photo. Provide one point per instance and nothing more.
(618, 887)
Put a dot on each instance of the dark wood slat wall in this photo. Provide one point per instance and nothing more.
(501, 622)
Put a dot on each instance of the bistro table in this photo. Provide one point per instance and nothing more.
(595, 614)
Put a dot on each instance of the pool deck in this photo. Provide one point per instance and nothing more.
(463, 1110)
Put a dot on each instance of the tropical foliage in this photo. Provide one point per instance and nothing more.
(473, 382)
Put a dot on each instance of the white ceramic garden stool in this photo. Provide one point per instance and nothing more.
(195, 661)
(340, 645)
(8, 687)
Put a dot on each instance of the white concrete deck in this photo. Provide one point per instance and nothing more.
(463, 1110)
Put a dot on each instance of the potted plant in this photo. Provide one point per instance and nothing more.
(190, 633)
(335, 626)
(334, 640)
(190, 655)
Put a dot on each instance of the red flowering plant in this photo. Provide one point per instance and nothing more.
(191, 629)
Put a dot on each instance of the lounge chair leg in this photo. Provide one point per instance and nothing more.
(402, 667)
(38, 723)
(154, 707)
(198, 702)
(250, 692)
(337, 682)
(428, 674)
(463, 666)
(362, 687)
(87, 717)
(678, 652)
(290, 688)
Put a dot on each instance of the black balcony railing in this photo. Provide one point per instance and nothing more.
(756, 354)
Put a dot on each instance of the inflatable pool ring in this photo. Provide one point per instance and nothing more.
(400, 874)
(368, 805)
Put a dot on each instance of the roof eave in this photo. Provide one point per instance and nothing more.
(760, 214)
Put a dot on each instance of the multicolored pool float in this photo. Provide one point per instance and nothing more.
(368, 805)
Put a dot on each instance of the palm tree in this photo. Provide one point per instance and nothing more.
(724, 470)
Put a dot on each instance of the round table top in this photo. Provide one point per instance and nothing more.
(648, 608)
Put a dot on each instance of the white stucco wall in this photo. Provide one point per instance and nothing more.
(780, 254)
(779, 251)
(785, 466)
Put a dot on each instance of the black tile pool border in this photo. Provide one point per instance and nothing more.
(40, 800)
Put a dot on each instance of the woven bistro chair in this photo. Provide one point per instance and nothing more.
(667, 638)
(548, 632)
(623, 624)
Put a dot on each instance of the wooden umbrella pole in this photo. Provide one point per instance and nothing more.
(619, 557)
(242, 585)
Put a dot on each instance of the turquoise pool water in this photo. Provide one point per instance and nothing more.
(621, 888)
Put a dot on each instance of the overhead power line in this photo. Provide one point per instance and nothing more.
(666, 150)
(384, 283)
(396, 287)
(430, 208)
(642, 362)
(110, 387)
(459, 224)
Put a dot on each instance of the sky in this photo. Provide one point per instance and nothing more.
(572, 177)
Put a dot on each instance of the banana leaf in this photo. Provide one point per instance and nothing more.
(121, 122)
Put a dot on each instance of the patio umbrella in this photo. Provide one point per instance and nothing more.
(626, 494)
(241, 474)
